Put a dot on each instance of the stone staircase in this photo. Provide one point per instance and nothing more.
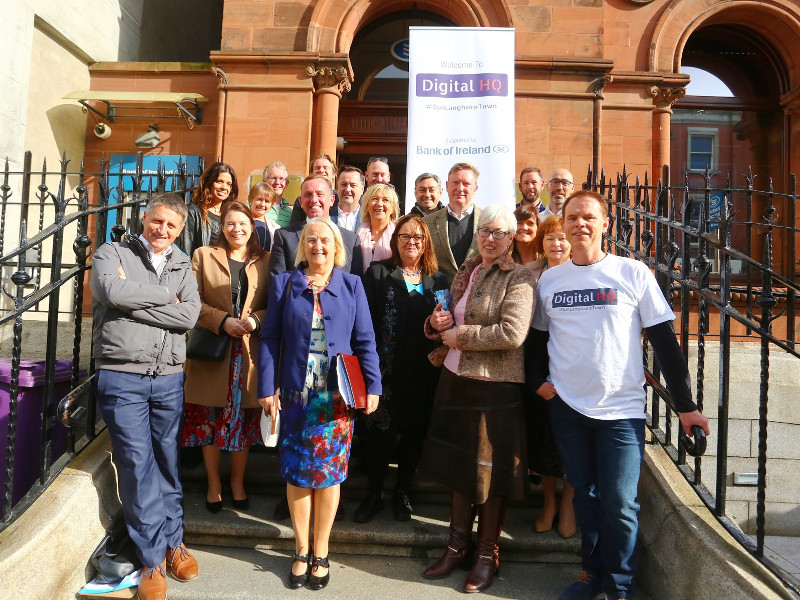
(244, 555)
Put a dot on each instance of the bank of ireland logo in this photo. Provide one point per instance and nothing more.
(500, 149)
(471, 85)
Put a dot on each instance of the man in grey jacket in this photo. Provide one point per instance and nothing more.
(144, 299)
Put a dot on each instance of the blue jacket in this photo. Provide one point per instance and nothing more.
(286, 332)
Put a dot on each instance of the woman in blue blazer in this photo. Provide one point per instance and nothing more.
(323, 312)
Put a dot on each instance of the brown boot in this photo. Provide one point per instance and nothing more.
(461, 519)
(487, 558)
(153, 583)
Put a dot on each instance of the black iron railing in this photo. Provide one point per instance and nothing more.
(713, 251)
(32, 283)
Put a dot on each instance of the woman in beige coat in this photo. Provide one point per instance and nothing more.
(476, 441)
(222, 411)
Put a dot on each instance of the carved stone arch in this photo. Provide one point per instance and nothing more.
(776, 20)
(334, 23)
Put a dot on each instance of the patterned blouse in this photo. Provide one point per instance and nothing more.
(317, 368)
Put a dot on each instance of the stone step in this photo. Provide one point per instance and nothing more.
(263, 477)
(424, 536)
(245, 574)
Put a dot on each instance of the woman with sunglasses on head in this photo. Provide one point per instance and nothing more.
(476, 439)
(217, 185)
(400, 292)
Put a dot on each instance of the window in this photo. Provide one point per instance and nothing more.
(703, 148)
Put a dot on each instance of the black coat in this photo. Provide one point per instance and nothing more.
(409, 379)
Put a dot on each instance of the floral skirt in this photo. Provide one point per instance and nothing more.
(315, 438)
(230, 428)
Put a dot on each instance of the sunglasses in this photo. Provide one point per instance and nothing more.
(373, 159)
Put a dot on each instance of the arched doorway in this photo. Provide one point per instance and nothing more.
(373, 115)
(729, 135)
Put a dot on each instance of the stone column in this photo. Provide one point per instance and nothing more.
(329, 85)
(663, 99)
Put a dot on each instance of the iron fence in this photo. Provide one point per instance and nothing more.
(713, 251)
(31, 283)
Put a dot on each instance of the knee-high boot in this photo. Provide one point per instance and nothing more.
(487, 558)
(461, 519)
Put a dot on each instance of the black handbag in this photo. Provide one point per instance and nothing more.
(204, 344)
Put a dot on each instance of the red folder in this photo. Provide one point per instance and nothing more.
(351, 381)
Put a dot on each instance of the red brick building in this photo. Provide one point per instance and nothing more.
(596, 84)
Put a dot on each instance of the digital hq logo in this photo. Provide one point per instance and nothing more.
(474, 85)
(595, 297)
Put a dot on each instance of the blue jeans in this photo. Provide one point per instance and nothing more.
(602, 460)
(144, 415)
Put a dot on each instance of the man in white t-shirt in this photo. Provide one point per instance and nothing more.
(586, 332)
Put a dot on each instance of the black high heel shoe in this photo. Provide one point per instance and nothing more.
(298, 581)
(214, 507)
(317, 583)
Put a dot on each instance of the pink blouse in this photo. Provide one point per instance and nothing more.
(377, 250)
(453, 357)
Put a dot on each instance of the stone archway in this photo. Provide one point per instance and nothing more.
(778, 21)
(334, 24)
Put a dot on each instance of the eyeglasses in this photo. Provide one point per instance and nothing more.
(497, 234)
(561, 183)
(405, 238)
(373, 159)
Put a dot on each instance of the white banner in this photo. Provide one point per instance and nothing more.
(461, 108)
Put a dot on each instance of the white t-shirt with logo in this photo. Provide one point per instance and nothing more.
(595, 315)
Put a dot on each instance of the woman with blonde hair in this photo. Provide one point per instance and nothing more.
(261, 199)
(316, 311)
(379, 211)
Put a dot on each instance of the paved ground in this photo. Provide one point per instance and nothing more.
(239, 574)
(785, 551)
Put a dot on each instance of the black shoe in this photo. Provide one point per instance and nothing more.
(317, 583)
(370, 507)
(214, 507)
(282, 510)
(298, 581)
(339, 512)
(242, 504)
(401, 505)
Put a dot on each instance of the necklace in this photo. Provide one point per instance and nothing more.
(411, 273)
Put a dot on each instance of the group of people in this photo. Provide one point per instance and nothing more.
(495, 345)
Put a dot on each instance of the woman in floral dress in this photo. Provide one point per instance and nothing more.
(323, 312)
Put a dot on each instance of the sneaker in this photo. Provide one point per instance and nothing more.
(586, 587)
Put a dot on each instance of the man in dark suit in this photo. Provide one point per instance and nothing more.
(316, 199)
(453, 228)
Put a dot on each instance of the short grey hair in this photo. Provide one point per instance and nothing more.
(425, 176)
(169, 200)
(498, 212)
(277, 164)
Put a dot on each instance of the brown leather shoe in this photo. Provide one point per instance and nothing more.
(461, 519)
(182, 565)
(153, 583)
